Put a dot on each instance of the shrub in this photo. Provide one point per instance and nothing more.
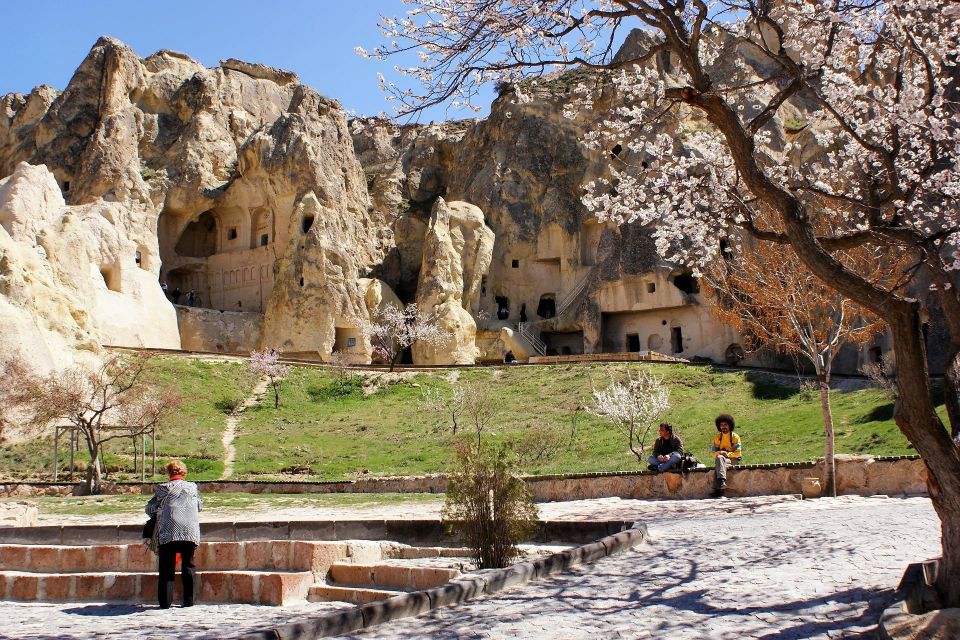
(490, 506)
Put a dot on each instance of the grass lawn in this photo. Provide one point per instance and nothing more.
(375, 424)
(128, 504)
(209, 391)
(338, 431)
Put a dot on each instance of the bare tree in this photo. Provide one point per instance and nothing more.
(393, 330)
(633, 405)
(873, 83)
(114, 400)
(450, 405)
(775, 302)
(266, 363)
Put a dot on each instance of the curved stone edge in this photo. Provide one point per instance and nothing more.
(454, 592)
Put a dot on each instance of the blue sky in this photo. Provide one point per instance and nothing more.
(44, 42)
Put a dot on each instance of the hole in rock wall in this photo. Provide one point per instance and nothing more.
(617, 149)
(676, 339)
(503, 307)
(734, 354)
(199, 239)
(232, 233)
(111, 276)
(651, 287)
(876, 355)
(141, 257)
(346, 338)
(686, 283)
(547, 307)
(515, 264)
(306, 223)
(264, 240)
(66, 186)
(633, 342)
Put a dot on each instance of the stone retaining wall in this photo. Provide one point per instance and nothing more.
(856, 475)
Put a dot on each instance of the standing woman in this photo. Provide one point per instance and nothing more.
(177, 504)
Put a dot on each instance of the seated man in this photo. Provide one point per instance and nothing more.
(667, 450)
(726, 451)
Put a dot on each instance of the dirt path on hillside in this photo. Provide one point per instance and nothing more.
(230, 432)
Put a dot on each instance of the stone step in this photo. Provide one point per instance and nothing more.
(358, 595)
(263, 555)
(391, 576)
(248, 587)
(414, 553)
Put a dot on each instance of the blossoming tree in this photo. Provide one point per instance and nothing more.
(266, 363)
(633, 405)
(808, 106)
(393, 329)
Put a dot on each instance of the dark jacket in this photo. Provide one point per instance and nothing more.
(665, 447)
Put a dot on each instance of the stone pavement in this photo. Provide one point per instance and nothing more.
(768, 567)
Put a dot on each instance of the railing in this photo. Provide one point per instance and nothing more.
(523, 328)
(575, 293)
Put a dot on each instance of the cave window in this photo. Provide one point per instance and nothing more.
(651, 287)
(66, 186)
(876, 355)
(301, 282)
(644, 165)
(232, 233)
(138, 257)
(633, 342)
(483, 284)
(547, 308)
(687, 283)
(306, 223)
(617, 149)
(503, 307)
(676, 339)
(515, 264)
(264, 239)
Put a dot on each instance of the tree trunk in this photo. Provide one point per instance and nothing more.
(951, 391)
(276, 393)
(639, 454)
(94, 482)
(829, 464)
(917, 419)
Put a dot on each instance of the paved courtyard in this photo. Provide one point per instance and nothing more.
(767, 567)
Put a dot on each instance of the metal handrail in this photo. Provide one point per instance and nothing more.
(523, 329)
(574, 294)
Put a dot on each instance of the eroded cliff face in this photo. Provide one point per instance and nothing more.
(236, 184)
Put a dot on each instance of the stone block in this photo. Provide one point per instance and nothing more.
(119, 586)
(31, 535)
(395, 576)
(13, 557)
(501, 579)
(295, 586)
(148, 587)
(365, 552)
(359, 575)
(312, 530)
(58, 588)
(76, 559)
(400, 606)
(130, 533)
(6, 583)
(360, 530)
(620, 542)
(589, 552)
(258, 555)
(331, 624)
(554, 563)
(89, 535)
(317, 556)
(214, 587)
(107, 557)
(140, 558)
(243, 587)
(44, 559)
(271, 589)
(220, 556)
(217, 532)
(89, 586)
(416, 531)
(261, 531)
(426, 577)
(455, 592)
(24, 587)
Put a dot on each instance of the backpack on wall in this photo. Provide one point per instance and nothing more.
(687, 462)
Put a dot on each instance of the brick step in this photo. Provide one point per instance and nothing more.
(390, 576)
(248, 587)
(358, 595)
(414, 553)
(262, 555)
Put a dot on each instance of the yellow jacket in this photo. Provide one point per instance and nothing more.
(729, 442)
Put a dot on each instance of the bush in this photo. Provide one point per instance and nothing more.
(490, 506)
